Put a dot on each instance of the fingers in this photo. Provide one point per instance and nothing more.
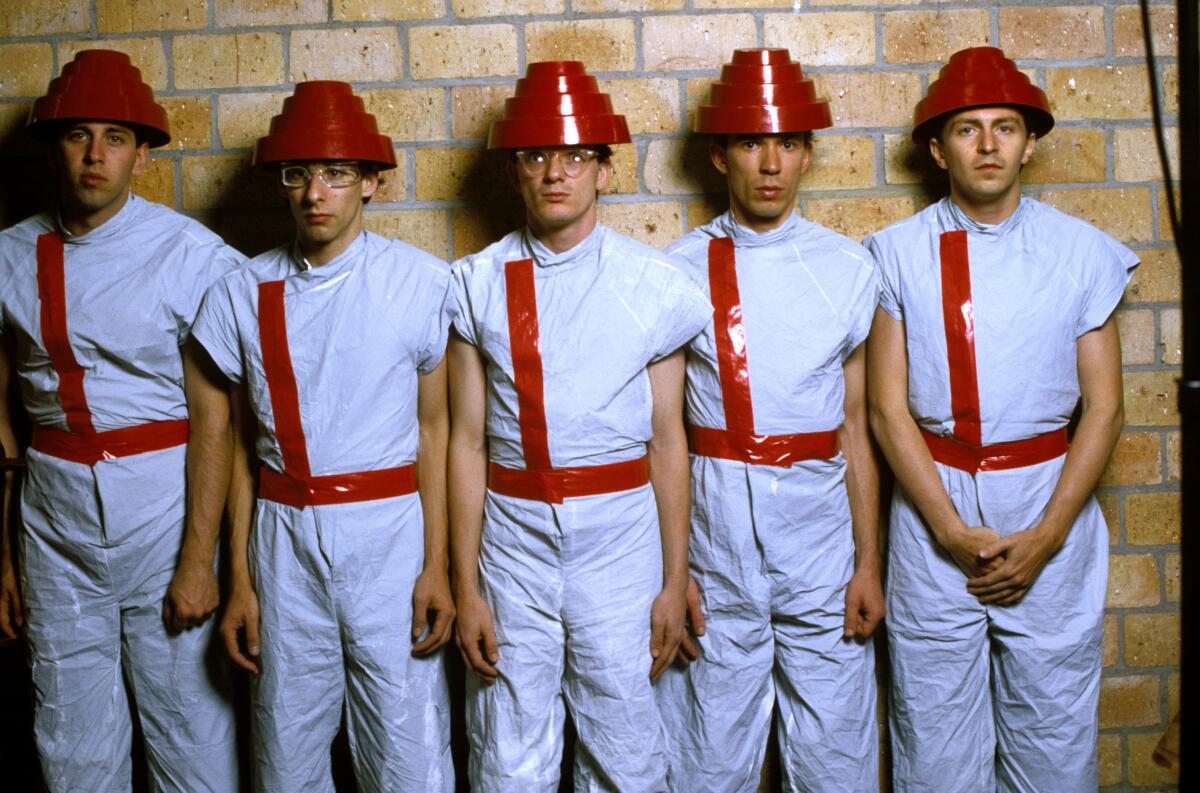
(850, 622)
(420, 608)
(997, 548)
(439, 632)
(229, 634)
(479, 662)
(689, 650)
(251, 627)
(695, 613)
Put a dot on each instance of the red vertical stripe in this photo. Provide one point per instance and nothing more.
(959, 317)
(730, 336)
(281, 380)
(52, 294)
(525, 343)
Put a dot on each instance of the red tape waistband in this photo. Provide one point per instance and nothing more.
(337, 488)
(997, 456)
(556, 484)
(91, 448)
(774, 450)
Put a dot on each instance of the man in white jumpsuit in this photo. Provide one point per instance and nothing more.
(996, 319)
(340, 589)
(784, 483)
(568, 461)
(98, 296)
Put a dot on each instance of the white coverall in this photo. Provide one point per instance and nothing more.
(335, 580)
(771, 545)
(570, 584)
(100, 541)
(996, 697)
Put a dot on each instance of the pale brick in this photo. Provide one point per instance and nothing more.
(147, 54)
(870, 99)
(43, 17)
(156, 182)
(1124, 213)
(1110, 508)
(703, 210)
(190, 119)
(1142, 768)
(649, 105)
(1136, 327)
(904, 162)
(831, 38)
(1136, 460)
(1128, 40)
(458, 173)
(841, 162)
(727, 4)
(476, 227)
(1172, 576)
(1129, 701)
(350, 54)
(1170, 323)
(1108, 759)
(601, 6)
(1152, 518)
(473, 108)
(136, 16)
(393, 183)
(228, 60)
(462, 51)
(1069, 155)
(675, 166)
(1052, 33)
(500, 8)
(1173, 456)
(673, 43)
(1152, 639)
(932, 36)
(1132, 581)
(1169, 88)
(656, 223)
(240, 13)
(1108, 644)
(244, 118)
(1095, 92)
(879, 3)
(25, 69)
(697, 91)
(859, 217)
(1157, 279)
(408, 114)
(387, 10)
(427, 229)
(625, 170)
(1173, 693)
(605, 45)
(226, 182)
(1150, 398)
(1136, 154)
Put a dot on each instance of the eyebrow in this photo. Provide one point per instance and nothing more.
(978, 121)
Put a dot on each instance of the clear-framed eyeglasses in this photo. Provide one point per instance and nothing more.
(334, 174)
(535, 162)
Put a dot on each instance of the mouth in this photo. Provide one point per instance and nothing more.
(768, 191)
(314, 219)
(989, 166)
(555, 197)
(92, 179)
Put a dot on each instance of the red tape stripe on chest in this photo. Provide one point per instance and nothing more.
(958, 314)
(281, 380)
(730, 336)
(525, 344)
(52, 295)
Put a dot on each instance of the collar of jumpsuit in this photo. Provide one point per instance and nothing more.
(953, 217)
(544, 257)
(333, 268)
(113, 227)
(746, 237)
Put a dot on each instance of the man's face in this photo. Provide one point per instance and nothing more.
(554, 200)
(328, 217)
(983, 149)
(95, 161)
(764, 173)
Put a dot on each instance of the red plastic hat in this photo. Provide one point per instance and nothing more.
(976, 77)
(557, 104)
(324, 120)
(762, 92)
(101, 85)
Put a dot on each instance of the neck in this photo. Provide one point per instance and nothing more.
(990, 212)
(318, 253)
(78, 219)
(567, 237)
(759, 224)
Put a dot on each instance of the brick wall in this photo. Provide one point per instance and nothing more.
(436, 71)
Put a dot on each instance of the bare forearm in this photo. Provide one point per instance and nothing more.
(239, 506)
(669, 479)
(862, 489)
(468, 485)
(1095, 438)
(209, 454)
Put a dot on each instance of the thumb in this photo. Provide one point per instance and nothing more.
(995, 549)
(419, 620)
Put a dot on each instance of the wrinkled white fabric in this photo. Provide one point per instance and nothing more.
(335, 581)
(570, 585)
(996, 697)
(772, 547)
(100, 543)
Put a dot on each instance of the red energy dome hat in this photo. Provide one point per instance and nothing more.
(975, 77)
(101, 85)
(324, 120)
(557, 104)
(762, 92)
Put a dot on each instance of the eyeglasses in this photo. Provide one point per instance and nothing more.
(338, 174)
(535, 162)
